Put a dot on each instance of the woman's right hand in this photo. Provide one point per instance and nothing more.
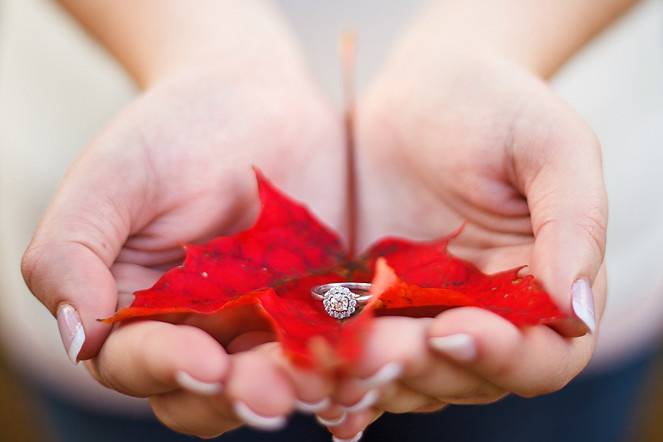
(174, 167)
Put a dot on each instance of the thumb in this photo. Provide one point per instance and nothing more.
(568, 207)
(67, 264)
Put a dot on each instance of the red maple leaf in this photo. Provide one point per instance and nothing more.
(274, 264)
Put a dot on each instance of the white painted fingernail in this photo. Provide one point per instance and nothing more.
(188, 382)
(384, 375)
(368, 400)
(460, 346)
(71, 330)
(250, 417)
(332, 422)
(354, 438)
(582, 302)
(312, 407)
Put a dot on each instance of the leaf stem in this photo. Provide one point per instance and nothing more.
(347, 53)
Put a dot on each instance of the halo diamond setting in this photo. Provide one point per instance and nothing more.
(340, 302)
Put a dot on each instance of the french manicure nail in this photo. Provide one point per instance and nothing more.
(71, 329)
(582, 302)
(312, 407)
(354, 438)
(368, 400)
(250, 417)
(459, 346)
(332, 422)
(384, 375)
(188, 382)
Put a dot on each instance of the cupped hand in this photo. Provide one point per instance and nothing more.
(447, 138)
(174, 167)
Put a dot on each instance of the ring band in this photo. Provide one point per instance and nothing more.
(340, 299)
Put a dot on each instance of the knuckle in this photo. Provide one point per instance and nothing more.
(399, 406)
(92, 367)
(108, 372)
(539, 381)
(508, 365)
(432, 406)
(148, 351)
(468, 392)
(542, 388)
(395, 407)
(493, 397)
(479, 399)
(163, 410)
(480, 393)
(594, 224)
(169, 410)
(30, 265)
(545, 384)
(105, 374)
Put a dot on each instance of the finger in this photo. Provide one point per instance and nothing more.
(256, 393)
(445, 382)
(397, 349)
(261, 393)
(131, 277)
(399, 398)
(77, 287)
(250, 340)
(395, 345)
(353, 428)
(67, 263)
(312, 388)
(528, 362)
(145, 358)
(189, 413)
(568, 206)
(431, 407)
(424, 375)
(332, 416)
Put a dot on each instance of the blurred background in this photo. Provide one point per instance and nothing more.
(58, 88)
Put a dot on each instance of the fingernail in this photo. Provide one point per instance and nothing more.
(582, 302)
(188, 382)
(354, 438)
(459, 346)
(250, 417)
(312, 407)
(384, 375)
(71, 331)
(368, 400)
(332, 422)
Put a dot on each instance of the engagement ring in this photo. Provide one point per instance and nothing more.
(340, 299)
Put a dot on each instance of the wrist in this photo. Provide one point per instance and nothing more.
(456, 32)
(538, 36)
(230, 65)
(261, 48)
(156, 39)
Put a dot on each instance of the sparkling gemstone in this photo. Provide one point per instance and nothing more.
(339, 302)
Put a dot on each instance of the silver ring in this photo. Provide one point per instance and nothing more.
(340, 299)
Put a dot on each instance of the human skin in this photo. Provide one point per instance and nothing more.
(454, 156)
(209, 111)
(460, 127)
(174, 167)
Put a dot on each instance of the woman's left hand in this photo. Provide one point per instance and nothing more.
(447, 138)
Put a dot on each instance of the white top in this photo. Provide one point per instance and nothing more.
(57, 89)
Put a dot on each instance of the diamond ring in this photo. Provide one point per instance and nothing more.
(340, 299)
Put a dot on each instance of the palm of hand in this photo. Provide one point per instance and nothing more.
(192, 144)
(446, 148)
(468, 152)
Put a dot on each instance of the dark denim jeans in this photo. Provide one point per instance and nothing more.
(597, 408)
